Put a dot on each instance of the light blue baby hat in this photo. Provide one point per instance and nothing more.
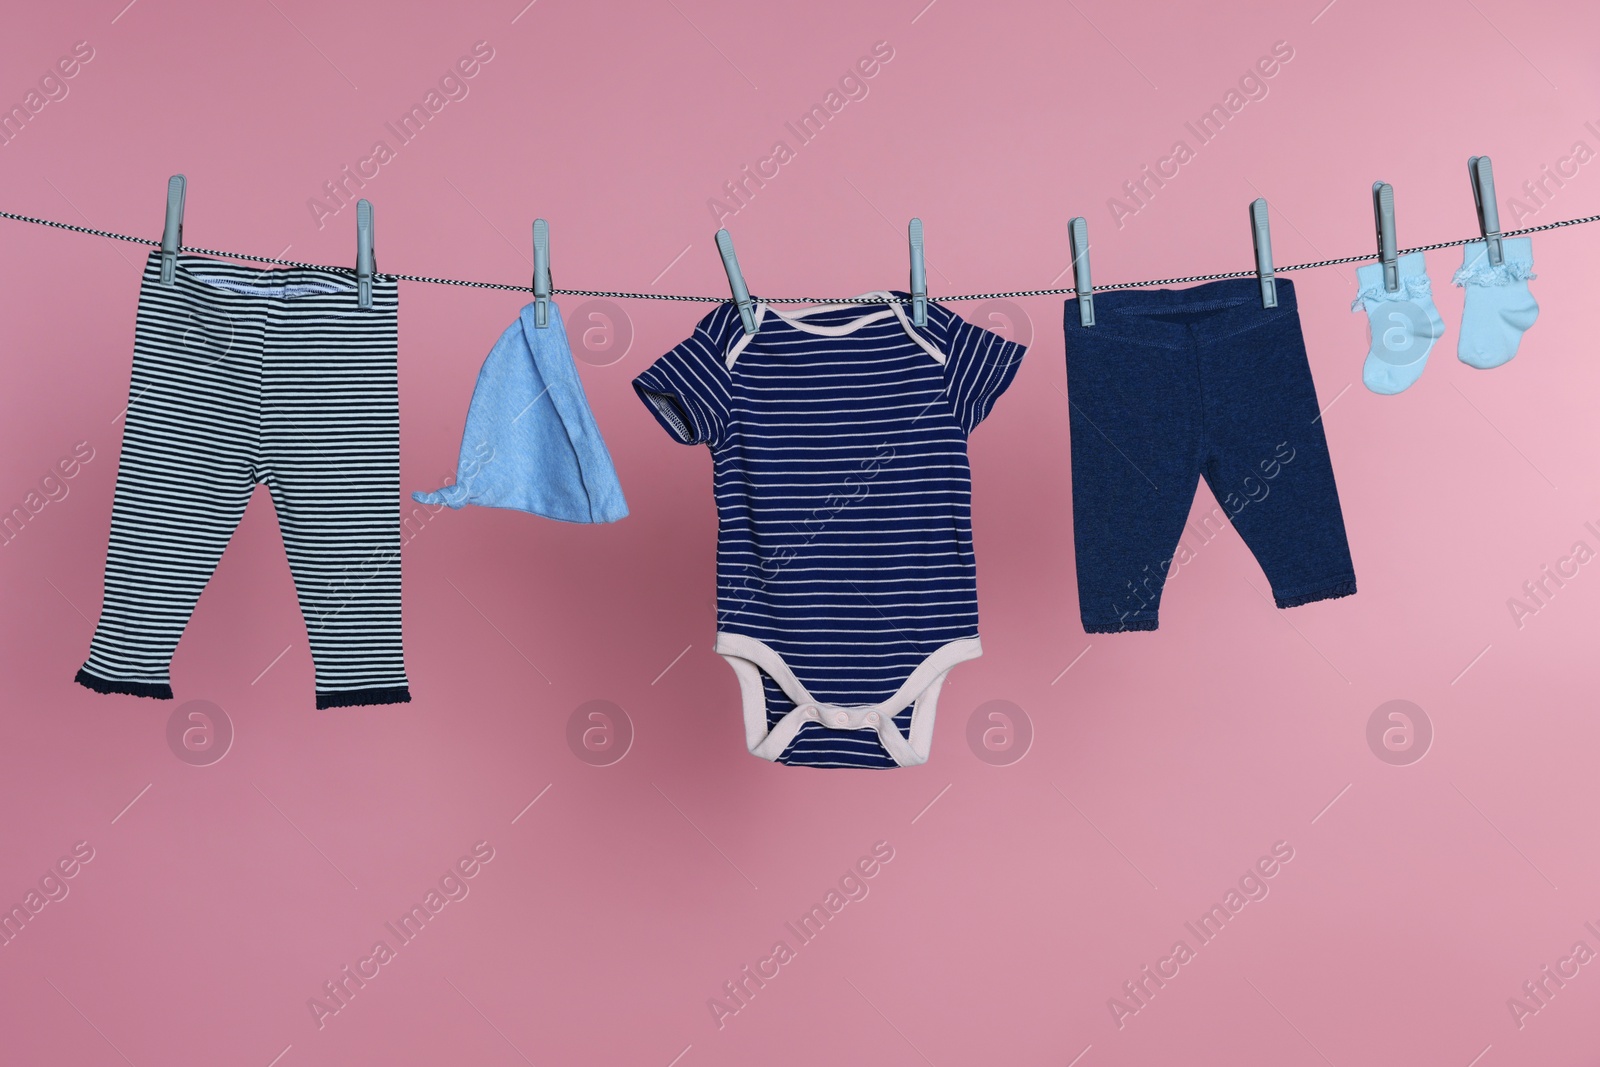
(531, 442)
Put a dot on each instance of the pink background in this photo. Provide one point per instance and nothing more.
(1020, 897)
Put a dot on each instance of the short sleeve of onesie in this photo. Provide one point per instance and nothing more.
(979, 364)
(687, 388)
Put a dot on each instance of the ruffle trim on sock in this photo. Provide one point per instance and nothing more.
(1506, 273)
(1412, 287)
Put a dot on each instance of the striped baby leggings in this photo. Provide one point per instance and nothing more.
(240, 376)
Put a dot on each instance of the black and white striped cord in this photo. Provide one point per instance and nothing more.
(1016, 294)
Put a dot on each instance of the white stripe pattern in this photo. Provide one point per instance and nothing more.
(843, 495)
(242, 376)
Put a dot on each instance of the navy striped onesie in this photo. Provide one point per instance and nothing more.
(846, 586)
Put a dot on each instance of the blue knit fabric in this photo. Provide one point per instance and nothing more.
(531, 443)
(1173, 385)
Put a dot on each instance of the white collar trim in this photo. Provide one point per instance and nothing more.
(797, 319)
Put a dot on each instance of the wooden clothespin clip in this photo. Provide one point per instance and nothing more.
(541, 273)
(1078, 235)
(172, 232)
(741, 293)
(364, 261)
(1481, 171)
(1262, 235)
(1383, 216)
(919, 276)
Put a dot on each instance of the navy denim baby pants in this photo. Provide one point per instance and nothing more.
(1172, 385)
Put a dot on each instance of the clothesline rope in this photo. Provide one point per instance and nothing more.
(1013, 295)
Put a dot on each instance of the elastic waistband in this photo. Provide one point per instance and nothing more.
(1176, 318)
(224, 281)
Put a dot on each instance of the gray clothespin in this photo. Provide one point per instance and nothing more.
(172, 233)
(1383, 215)
(541, 273)
(1262, 235)
(1481, 171)
(364, 261)
(1078, 235)
(919, 276)
(741, 293)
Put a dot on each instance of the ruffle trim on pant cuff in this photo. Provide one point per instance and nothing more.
(1507, 273)
(153, 690)
(1123, 626)
(1332, 592)
(351, 698)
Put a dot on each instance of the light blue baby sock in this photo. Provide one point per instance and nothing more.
(1404, 324)
(1499, 307)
